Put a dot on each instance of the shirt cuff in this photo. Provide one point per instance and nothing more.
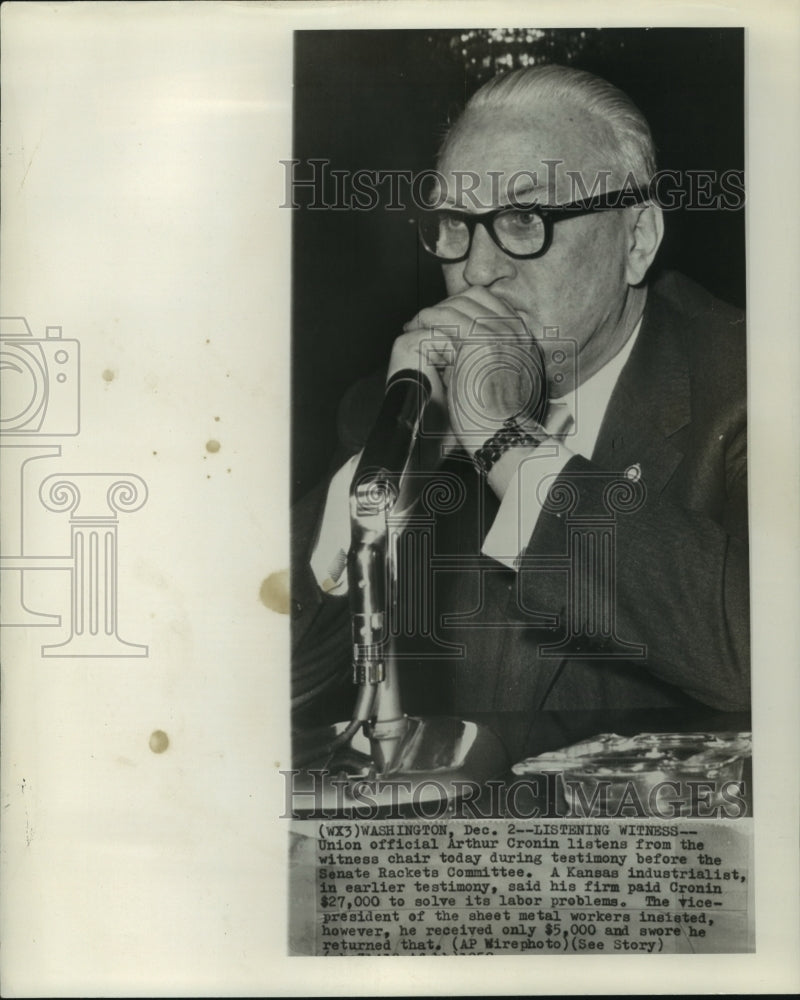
(519, 509)
(329, 558)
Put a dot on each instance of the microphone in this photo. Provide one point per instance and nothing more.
(374, 493)
(390, 444)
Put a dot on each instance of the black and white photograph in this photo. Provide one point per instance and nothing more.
(531, 556)
(399, 493)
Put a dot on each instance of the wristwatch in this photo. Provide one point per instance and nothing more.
(510, 435)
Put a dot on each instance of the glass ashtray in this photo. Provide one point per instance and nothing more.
(650, 774)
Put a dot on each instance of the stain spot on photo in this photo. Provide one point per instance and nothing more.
(159, 741)
(274, 592)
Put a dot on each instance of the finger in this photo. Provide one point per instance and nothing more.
(444, 316)
(480, 302)
(417, 350)
(466, 306)
(491, 302)
(463, 320)
(476, 311)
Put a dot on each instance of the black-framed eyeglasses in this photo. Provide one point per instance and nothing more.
(523, 231)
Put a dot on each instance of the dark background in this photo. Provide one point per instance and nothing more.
(381, 100)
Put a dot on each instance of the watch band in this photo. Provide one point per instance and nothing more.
(510, 435)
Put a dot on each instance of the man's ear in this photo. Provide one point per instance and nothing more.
(645, 235)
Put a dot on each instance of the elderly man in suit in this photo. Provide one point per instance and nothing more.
(541, 592)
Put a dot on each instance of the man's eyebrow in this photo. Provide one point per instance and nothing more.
(519, 197)
(519, 194)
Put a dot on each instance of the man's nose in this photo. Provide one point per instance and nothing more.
(486, 262)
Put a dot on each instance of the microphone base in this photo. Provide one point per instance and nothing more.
(435, 763)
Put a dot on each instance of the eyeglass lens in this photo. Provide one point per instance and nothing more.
(517, 230)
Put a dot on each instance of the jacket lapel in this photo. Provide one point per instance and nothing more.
(650, 402)
(649, 405)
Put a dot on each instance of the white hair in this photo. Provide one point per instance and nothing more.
(630, 143)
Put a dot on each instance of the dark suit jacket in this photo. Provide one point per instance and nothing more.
(679, 572)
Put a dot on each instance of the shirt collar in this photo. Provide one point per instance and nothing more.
(588, 402)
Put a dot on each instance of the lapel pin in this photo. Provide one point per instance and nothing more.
(634, 472)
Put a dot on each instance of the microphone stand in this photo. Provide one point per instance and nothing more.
(383, 756)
